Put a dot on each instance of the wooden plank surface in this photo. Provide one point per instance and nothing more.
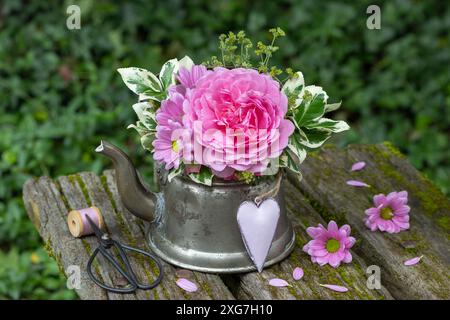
(322, 195)
(352, 276)
(48, 203)
(325, 175)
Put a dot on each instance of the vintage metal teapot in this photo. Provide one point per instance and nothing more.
(194, 226)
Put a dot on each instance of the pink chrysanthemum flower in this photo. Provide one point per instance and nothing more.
(167, 149)
(330, 245)
(171, 134)
(390, 214)
(189, 78)
(168, 145)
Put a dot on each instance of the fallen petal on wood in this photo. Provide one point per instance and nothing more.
(356, 183)
(183, 273)
(187, 285)
(334, 287)
(358, 166)
(298, 273)
(412, 261)
(278, 282)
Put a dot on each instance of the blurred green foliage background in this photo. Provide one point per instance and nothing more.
(60, 93)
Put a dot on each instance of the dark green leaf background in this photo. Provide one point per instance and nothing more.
(60, 93)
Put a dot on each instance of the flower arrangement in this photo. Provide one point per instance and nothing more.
(230, 117)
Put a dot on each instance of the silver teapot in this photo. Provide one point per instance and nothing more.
(194, 226)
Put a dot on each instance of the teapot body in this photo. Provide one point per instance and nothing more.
(196, 225)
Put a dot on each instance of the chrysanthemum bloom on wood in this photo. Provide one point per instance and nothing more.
(390, 214)
(330, 245)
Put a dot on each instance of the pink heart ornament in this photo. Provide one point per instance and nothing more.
(257, 225)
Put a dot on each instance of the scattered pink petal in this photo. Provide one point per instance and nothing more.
(356, 183)
(298, 273)
(412, 261)
(334, 287)
(278, 282)
(187, 285)
(358, 166)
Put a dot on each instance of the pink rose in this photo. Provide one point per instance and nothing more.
(238, 120)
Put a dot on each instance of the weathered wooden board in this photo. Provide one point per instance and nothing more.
(324, 184)
(48, 203)
(322, 195)
(352, 276)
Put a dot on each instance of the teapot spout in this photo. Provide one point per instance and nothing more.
(135, 197)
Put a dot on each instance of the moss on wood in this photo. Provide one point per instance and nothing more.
(61, 194)
(120, 219)
(48, 247)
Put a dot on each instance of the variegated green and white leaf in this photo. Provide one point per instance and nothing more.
(186, 62)
(175, 172)
(148, 125)
(272, 168)
(332, 106)
(313, 90)
(146, 114)
(293, 83)
(293, 89)
(316, 138)
(302, 134)
(142, 82)
(139, 109)
(153, 95)
(150, 114)
(296, 147)
(167, 73)
(139, 127)
(328, 125)
(289, 161)
(147, 139)
(205, 176)
(310, 109)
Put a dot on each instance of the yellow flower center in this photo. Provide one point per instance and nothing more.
(175, 146)
(332, 245)
(386, 213)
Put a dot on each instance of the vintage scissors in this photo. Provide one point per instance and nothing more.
(106, 243)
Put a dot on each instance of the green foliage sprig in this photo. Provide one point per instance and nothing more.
(235, 52)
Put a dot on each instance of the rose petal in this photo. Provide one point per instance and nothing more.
(356, 183)
(412, 261)
(187, 285)
(298, 273)
(334, 287)
(358, 166)
(278, 282)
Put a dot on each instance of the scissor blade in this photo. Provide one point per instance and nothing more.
(99, 233)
